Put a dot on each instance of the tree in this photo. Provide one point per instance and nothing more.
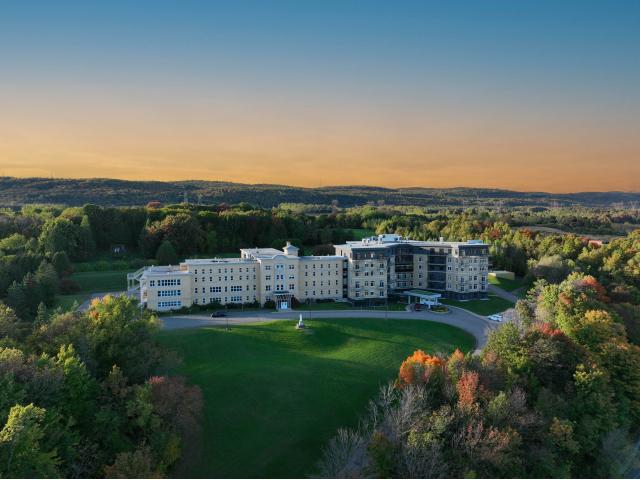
(9, 322)
(138, 463)
(121, 334)
(20, 445)
(47, 280)
(62, 234)
(166, 254)
(61, 263)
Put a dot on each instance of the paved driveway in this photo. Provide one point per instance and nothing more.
(476, 325)
(512, 297)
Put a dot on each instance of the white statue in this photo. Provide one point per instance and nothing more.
(300, 323)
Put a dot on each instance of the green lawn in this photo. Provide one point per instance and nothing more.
(275, 395)
(482, 307)
(107, 281)
(506, 284)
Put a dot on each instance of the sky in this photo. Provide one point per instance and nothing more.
(524, 95)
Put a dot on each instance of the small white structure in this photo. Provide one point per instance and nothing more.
(300, 324)
(424, 297)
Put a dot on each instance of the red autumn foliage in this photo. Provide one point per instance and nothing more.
(548, 330)
(467, 388)
(418, 367)
(565, 299)
(592, 284)
(494, 234)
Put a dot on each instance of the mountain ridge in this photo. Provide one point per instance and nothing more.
(16, 191)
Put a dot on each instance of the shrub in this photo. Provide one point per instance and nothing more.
(120, 265)
(101, 266)
(68, 286)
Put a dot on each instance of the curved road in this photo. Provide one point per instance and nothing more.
(476, 325)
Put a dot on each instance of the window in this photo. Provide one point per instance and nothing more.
(268, 288)
(152, 283)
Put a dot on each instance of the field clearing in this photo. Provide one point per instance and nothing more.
(481, 307)
(106, 281)
(275, 395)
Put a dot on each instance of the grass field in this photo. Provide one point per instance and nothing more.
(508, 285)
(274, 395)
(482, 307)
(107, 281)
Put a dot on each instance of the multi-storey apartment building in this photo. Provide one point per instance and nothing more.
(369, 270)
(392, 265)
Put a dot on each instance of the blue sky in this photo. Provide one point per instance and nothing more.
(415, 69)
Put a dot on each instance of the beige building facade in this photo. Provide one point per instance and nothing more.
(259, 275)
(366, 271)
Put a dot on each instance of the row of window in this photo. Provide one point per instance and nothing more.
(229, 270)
(313, 293)
(232, 299)
(169, 293)
(313, 284)
(371, 293)
(170, 304)
(169, 282)
(232, 288)
(371, 284)
(226, 278)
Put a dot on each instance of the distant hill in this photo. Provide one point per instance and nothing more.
(104, 191)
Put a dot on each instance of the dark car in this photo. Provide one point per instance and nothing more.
(218, 314)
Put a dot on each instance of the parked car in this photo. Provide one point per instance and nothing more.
(495, 317)
(218, 314)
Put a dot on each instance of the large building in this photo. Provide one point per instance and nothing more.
(388, 265)
(366, 271)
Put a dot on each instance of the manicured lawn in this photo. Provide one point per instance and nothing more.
(506, 284)
(107, 281)
(274, 395)
(482, 307)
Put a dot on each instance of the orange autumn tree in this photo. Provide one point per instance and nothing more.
(417, 368)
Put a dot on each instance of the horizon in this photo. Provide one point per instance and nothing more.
(328, 186)
(530, 97)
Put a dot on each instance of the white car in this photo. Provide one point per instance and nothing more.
(495, 317)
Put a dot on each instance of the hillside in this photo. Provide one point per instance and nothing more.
(21, 191)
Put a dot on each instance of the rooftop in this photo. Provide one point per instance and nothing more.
(389, 240)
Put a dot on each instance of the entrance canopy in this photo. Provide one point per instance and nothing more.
(423, 297)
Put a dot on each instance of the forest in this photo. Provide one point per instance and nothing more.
(113, 192)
